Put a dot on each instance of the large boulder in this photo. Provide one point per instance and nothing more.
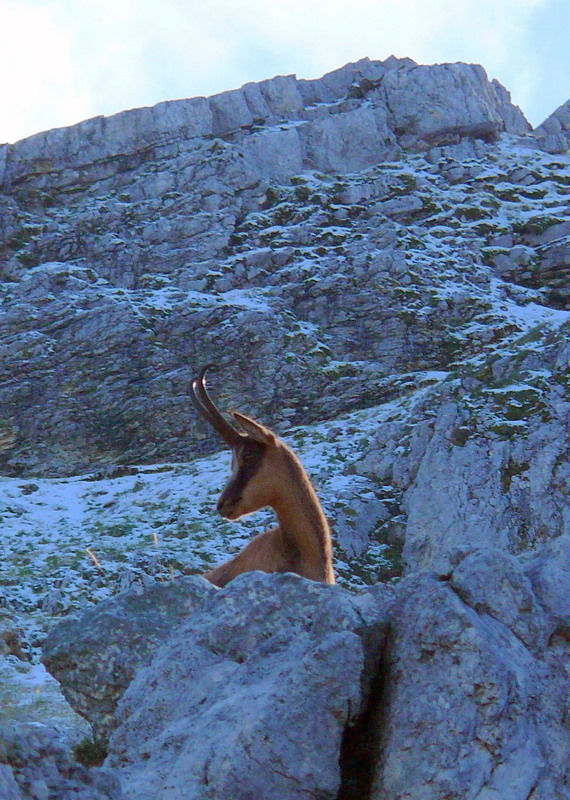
(252, 694)
(279, 687)
(476, 691)
(96, 656)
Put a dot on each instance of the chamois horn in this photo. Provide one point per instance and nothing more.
(210, 412)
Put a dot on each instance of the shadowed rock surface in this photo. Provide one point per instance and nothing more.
(100, 654)
(34, 765)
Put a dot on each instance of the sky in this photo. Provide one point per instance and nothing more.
(62, 61)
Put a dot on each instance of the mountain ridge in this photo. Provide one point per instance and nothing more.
(221, 114)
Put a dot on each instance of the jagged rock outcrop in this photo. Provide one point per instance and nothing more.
(421, 102)
(273, 680)
(251, 694)
(554, 133)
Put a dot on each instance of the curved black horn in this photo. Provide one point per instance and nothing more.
(209, 411)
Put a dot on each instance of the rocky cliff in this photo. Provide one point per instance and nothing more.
(236, 229)
(378, 262)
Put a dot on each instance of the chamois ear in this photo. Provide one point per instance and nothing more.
(258, 433)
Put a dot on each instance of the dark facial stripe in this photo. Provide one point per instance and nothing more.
(250, 458)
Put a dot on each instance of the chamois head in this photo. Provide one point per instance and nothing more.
(255, 457)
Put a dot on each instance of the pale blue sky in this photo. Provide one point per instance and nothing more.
(62, 61)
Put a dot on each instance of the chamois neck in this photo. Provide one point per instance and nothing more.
(301, 519)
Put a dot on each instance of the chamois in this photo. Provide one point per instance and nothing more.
(265, 472)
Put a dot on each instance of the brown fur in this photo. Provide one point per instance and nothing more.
(267, 473)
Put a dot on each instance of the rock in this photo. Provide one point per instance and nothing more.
(494, 584)
(96, 656)
(553, 134)
(285, 678)
(364, 512)
(327, 143)
(465, 701)
(401, 207)
(336, 85)
(514, 119)
(473, 107)
(471, 491)
(35, 766)
(548, 569)
(275, 670)
(126, 242)
(8, 786)
(550, 233)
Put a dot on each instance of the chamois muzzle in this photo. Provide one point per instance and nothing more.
(207, 408)
(226, 505)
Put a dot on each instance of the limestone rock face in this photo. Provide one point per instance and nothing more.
(458, 96)
(554, 133)
(232, 229)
